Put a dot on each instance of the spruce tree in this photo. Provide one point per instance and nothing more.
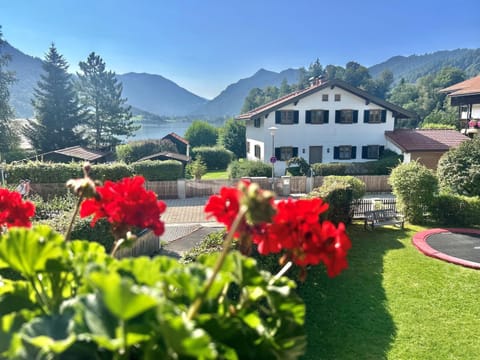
(8, 136)
(57, 111)
(109, 118)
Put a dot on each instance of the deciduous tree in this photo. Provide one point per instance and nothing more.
(233, 138)
(201, 133)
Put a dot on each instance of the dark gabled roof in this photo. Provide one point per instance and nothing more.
(426, 140)
(79, 152)
(293, 97)
(167, 155)
(177, 137)
(464, 88)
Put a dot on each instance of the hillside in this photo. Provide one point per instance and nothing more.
(158, 95)
(230, 101)
(27, 70)
(415, 66)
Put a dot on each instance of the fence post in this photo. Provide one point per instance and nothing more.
(181, 189)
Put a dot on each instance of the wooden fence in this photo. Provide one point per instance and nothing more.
(202, 188)
(360, 206)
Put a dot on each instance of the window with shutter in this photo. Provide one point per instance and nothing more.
(346, 116)
(316, 116)
(375, 116)
(371, 151)
(286, 117)
(345, 152)
(285, 153)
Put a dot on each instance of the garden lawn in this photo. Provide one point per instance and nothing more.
(215, 175)
(392, 303)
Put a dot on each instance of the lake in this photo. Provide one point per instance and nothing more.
(159, 130)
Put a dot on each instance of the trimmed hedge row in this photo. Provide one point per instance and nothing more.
(382, 166)
(216, 158)
(44, 172)
(455, 210)
(248, 168)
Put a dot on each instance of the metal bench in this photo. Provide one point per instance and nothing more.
(376, 218)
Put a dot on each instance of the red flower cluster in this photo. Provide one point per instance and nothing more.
(13, 210)
(126, 203)
(295, 229)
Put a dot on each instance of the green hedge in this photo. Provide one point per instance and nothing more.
(383, 166)
(455, 210)
(216, 158)
(159, 170)
(46, 172)
(248, 168)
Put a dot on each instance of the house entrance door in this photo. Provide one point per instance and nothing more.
(315, 155)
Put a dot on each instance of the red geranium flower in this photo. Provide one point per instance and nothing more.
(13, 210)
(124, 204)
(224, 207)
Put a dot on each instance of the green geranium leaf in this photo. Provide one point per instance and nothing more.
(15, 296)
(29, 251)
(146, 271)
(122, 297)
(9, 325)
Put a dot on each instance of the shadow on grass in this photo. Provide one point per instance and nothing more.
(347, 316)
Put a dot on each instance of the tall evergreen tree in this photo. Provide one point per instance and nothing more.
(8, 136)
(108, 116)
(57, 111)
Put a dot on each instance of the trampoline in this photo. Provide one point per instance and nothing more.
(457, 246)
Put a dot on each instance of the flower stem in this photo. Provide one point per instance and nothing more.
(72, 220)
(116, 246)
(193, 310)
(282, 272)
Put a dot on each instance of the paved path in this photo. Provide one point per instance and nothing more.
(185, 225)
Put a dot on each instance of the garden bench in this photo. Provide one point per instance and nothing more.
(383, 217)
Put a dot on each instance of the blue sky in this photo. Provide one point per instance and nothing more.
(206, 45)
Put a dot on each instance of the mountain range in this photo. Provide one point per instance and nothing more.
(150, 93)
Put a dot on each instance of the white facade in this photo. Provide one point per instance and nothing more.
(308, 137)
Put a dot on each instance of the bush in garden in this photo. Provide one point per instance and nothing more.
(321, 169)
(100, 233)
(449, 209)
(298, 166)
(216, 158)
(196, 169)
(135, 150)
(249, 168)
(415, 187)
(156, 170)
(339, 192)
(459, 169)
(75, 301)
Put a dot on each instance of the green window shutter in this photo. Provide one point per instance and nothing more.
(354, 152)
(308, 117)
(295, 117)
(336, 152)
(364, 152)
(355, 116)
(366, 116)
(325, 116)
(384, 116)
(338, 115)
(278, 153)
(295, 151)
(278, 117)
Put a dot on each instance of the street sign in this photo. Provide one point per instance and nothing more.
(273, 159)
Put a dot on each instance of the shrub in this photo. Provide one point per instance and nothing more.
(100, 233)
(201, 133)
(300, 166)
(321, 169)
(248, 168)
(43, 172)
(339, 192)
(455, 210)
(216, 158)
(213, 242)
(113, 171)
(459, 169)
(196, 169)
(135, 150)
(415, 187)
(158, 170)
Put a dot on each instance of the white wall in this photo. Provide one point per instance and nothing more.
(304, 135)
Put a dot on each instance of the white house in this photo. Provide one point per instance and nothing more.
(330, 121)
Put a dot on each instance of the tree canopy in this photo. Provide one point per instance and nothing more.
(232, 137)
(201, 133)
(8, 136)
(57, 110)
(108, 118)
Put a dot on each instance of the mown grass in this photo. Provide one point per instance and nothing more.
(392, 303)
(215, 175)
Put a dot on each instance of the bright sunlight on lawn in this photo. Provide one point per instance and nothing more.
(392, 303)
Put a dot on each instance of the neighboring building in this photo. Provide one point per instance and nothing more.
(425, 146)
(165, 155)
(466, 95)
(183, 147)
(74, 153)
(330, 121)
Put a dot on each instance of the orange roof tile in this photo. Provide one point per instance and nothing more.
(426, 140)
